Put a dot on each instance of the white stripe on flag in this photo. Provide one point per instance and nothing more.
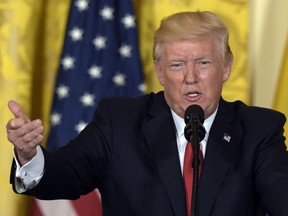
(56, 207)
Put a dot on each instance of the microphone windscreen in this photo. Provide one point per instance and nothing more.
(194, 109)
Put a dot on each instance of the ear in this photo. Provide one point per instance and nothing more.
(226, 73)
(159, 72)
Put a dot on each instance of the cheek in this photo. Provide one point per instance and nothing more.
(172, 78)
(214, 85)
(175, 77)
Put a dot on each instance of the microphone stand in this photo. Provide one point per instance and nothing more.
(194, 139)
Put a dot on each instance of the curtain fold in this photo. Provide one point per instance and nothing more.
(281, 96)
(31, 36)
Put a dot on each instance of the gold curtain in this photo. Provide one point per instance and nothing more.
(281, 97)
(235, 15)
(31, 36)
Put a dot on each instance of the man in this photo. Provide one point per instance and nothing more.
(133, 150)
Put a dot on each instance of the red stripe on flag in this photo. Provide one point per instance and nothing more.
(89, 205)
(36, 211)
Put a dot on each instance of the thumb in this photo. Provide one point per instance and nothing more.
(16, 109)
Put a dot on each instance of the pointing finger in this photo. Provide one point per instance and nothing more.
(17, 110)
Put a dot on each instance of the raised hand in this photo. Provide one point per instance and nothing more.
(23, 133)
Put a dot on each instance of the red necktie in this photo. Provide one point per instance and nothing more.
(188, 174)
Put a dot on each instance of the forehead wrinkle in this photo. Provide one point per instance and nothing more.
(184, 52)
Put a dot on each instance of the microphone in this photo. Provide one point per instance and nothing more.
(194, 118)
(194, 132)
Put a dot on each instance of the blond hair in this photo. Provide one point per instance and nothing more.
(190, 26)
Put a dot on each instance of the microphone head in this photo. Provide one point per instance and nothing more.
(192, 112)
(195, 110)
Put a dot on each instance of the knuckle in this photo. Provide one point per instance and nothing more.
(27, 137)
(10, 125)
(21, 131)
(40, 129)
(38, 140)
(11, 137)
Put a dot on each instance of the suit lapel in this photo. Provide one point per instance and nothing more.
(161, 138)
(222, 148)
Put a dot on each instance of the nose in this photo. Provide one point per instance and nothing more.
(190, 74)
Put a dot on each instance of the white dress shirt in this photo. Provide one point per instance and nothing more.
(31, 173)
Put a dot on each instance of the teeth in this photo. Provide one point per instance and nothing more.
(193, 94)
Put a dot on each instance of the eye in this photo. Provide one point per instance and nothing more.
(203, 63)
(176, 66)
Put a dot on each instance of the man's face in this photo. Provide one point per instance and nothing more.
(192, 72)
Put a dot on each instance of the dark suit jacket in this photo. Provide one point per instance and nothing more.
(129, 153)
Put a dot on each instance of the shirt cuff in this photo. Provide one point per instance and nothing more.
(29, 175)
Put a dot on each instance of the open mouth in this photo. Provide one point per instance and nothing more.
(192, 94)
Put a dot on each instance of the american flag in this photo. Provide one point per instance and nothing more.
(100, 58)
